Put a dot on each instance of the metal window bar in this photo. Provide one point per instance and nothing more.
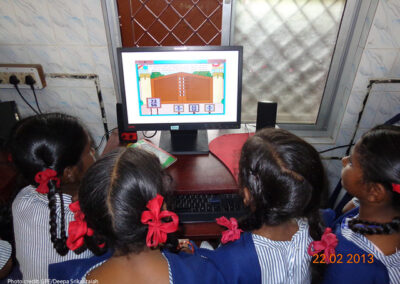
(182, 19)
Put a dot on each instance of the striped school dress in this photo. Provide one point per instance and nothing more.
(34, 249)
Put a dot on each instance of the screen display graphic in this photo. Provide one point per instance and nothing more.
(181, 87)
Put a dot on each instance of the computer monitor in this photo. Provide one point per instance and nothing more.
(185, 90)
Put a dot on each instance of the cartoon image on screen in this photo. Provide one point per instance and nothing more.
(181, 87)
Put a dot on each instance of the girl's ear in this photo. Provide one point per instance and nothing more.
(376, 193)
(246, 196)
(70, 175)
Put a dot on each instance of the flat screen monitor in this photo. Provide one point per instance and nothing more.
(184, 90)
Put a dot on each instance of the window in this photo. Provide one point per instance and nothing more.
(300, 53)
(288, 46)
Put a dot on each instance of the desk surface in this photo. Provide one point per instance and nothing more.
(200, 174)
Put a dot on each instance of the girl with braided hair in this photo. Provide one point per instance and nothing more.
(122, 205)
(281, 180)
(51, 152)
(369, 235)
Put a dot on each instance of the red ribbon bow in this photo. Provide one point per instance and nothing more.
(43, 177)
(327, 244)
(233, 232)
(157, 229)
(396, 187)
(77, 229)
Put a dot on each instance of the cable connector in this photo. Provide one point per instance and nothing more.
(29, 80)
(14, 80)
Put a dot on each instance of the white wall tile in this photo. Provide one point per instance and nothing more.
(370, 110)
(9, 30)
(14, 54)
(389, 107)
(48, 56)
(94, 22)
(7, 8)
(395, 72)
(86, 105)
(68, 22)
(383, 28)
(103, 66)
(110, 106)
(77, 60)
(374, 64)
(56, 100)
(34, 21)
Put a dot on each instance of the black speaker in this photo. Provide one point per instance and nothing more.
(266, 114)
(129, 136)
(9, 116)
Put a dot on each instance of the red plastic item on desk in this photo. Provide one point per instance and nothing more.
(227, 149)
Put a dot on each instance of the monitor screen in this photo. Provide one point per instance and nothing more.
(181, 88)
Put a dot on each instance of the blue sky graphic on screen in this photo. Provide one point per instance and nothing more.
(181, 87)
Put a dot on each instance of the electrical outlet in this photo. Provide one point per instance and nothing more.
(21, 71)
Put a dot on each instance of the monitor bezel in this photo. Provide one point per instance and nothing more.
(180, 126)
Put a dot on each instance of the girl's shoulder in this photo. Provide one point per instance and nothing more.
(300, 238)
(31, 209)
(353, 260)
(196, 269)
(28, 197)
(237, 261)
(76, 269)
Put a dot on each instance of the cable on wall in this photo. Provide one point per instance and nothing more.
(336, 192)
(95, 78)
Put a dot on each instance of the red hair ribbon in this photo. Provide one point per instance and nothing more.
(77, 229)
(327, 244)
(396, 187)
(157, 229)
(43, 177)
(233, 232)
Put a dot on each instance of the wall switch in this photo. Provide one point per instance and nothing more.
(21, 71)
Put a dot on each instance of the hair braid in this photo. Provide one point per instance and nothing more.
(314, 223)
(63, 233)
(373, 228)
(58, 243)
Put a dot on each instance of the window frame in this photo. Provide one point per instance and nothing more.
(353, 33)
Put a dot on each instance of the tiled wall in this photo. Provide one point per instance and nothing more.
(69, 37)
(380, 60)
(65, 37)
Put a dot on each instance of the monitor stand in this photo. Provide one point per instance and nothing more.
(184, 142)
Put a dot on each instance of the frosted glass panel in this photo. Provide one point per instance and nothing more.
(288, 46)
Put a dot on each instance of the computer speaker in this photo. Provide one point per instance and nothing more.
(125, 136)
(266, 114)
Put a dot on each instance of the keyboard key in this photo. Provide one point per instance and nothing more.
(207, 207)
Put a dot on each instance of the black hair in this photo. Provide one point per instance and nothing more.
(115, 192)
(286, 180)
(48, 141)
(378, 153)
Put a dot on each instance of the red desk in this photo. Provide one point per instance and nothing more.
(201, 174)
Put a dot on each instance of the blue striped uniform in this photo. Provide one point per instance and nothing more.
(5, 252)
(34, 249)
(285, 261)
(391, 262)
